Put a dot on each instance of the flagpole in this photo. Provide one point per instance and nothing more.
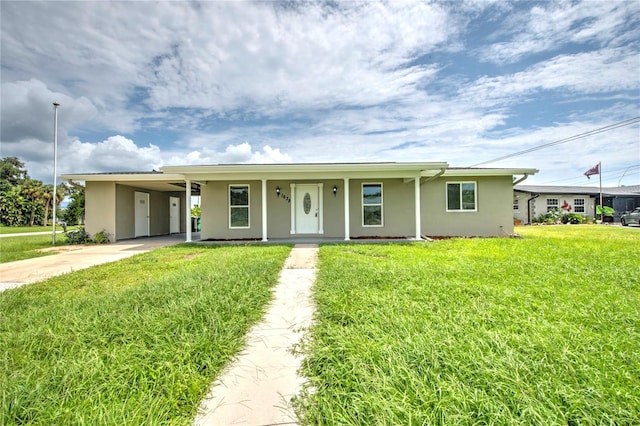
(601, 206)
(55, 172)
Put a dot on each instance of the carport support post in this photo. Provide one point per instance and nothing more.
(264, 210)
(346, 209)
(418, 209)
(188, 208)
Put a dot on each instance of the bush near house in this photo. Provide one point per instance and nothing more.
(573, 218)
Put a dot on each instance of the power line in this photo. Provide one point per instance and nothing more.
(565, 140)
(611, 175)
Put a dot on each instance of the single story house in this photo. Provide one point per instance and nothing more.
(315, 200)
(532, 201)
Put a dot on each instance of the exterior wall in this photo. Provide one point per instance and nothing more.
(214, 213)
(539, 205)
(158, 211)
(494, 215)
(100, 207)
(398, 209)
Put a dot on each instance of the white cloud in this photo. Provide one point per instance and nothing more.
(590, 72)
(233, 154)
(548, 26)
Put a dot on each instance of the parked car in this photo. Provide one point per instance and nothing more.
(631, 217)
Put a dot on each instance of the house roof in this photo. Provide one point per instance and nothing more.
(633, 190)
(173, 175)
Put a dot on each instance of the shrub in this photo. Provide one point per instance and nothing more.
(78, 236)
(102, 237)
(573, 218)
(549, 218)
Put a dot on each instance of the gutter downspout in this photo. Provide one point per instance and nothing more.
(529, 207)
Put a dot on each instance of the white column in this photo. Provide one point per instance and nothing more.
(320, 208)
(188, 210)
(292, 201)
(346, 209)
(418, 209)
(264, 210)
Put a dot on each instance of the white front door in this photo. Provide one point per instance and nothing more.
(142, 214)
(174, 215)
(308, 209)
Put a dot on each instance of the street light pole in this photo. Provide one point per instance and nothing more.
(55, 171)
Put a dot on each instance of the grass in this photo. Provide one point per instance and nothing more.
(137, 341)
(22, 229)
(539, 330)
(26, 247)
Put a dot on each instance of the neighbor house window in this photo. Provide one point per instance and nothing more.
(238, 206)
(371, 204)
(516, 206)
(552, 204)
(461, 196)
(578, 205)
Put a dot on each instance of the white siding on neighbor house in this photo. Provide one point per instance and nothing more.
(539, 206)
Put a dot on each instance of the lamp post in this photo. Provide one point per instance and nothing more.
(55, 171)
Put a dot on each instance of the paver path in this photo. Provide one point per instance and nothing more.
(257, 387)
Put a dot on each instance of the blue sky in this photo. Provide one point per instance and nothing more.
(148, 84)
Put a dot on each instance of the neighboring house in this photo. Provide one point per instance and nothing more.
(288, 201)
(532, 201)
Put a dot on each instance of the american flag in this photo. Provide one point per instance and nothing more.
(595, 170)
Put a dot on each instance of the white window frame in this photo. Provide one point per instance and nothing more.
(579, 203)
(460, 183)
(516, 204)
(248, 206)
(381, 204)
(553, 205)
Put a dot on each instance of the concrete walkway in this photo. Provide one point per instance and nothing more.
(73, 258)
(256, 389)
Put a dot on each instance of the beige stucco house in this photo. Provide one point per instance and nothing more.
(288, 201)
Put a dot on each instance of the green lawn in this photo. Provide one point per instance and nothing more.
(26, 247)
(542, 330)
(133, 342)
(22, 229)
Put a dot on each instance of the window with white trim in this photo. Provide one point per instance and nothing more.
(578, 205)
(238, 206)
(552, 204)
(372, 204)
(516, 206)
(461, 197)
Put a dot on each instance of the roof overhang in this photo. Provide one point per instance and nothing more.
(470, 172)
(302, 171)
(165, 182)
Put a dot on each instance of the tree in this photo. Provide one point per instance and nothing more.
(12, 173)
(12, 207)
(74, 213)
(33, 192)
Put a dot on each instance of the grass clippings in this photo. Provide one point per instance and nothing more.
(541, 330)
(137, 341)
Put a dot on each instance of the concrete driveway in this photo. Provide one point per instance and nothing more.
(73, 258)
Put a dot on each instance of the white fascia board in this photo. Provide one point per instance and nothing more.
(305, 171)
(488, 172)
(125, 177)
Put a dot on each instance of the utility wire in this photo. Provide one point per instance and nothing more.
(611, 175)
(565, 140)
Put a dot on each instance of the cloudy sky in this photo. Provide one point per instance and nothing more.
(148, 84)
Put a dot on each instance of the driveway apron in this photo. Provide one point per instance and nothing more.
(257, 387)
(21, 272)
